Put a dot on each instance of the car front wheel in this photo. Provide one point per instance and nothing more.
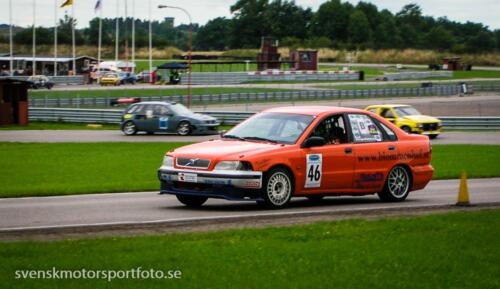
(191, 201)
(406, 129)
(184, 128)
(277, 188)
(129, 128)
(397, 186)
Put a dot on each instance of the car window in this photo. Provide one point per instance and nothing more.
(332, 129)
(134, 108)
(161, 110)
(407, 110)
(389, 134)
(279, 127)
(364, 129)
(387, 113)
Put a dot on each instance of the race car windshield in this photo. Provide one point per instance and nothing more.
(406, 110)
(180, 109)
(274, 127)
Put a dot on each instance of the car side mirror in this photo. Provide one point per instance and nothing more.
(314, 141)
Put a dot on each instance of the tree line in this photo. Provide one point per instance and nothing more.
(335, 24)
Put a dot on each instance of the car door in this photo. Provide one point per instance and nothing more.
(374, 150)
(329, 168)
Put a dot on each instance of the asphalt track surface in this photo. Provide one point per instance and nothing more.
(55, 136)
(149, 208)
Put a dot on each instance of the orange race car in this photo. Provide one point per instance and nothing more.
(309, 151)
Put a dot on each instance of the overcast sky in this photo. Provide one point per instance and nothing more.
(483, 11)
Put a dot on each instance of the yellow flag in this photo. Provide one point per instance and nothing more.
(67, 3)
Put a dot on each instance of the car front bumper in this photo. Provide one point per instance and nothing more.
(206, 128)
(229, 185)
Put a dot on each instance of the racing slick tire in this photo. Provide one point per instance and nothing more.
(129, 128)
(277, 189)
(397, 186)
(184, 128)
(191, 201)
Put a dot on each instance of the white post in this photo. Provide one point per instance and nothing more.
(33, 66)
(55, 37)
(117, 33)
(73, 36)
(150, 47)
(11, 44)
(133, 35)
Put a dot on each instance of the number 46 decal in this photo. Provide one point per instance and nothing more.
(314, 170)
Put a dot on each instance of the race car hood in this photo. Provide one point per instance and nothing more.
(421, 118)
(199, 117)
(224, 149)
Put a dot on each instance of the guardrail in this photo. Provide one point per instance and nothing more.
(417, 75)
(58, 80)
(205, 78)
(113, 116)
(294, 95)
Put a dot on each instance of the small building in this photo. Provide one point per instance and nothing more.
(13, 102)
(23, 65)
(304, 59)
(452, 63)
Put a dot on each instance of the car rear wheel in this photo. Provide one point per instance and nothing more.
(191, 201)
(397, 186)
(277, 189)
(129, 128)
(184, 128)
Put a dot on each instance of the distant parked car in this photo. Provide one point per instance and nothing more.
(40, 81)
(408, 119)
(127, 78)
(169, 117)
(110, 78)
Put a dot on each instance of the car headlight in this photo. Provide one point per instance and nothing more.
(168, 161)
(233, 166)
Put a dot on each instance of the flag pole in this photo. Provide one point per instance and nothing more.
(133, 35)
(11, 44)
(55, 37)
(33, 65)
(117, 33)
(150, 47)
(73, 36)
(99, 45)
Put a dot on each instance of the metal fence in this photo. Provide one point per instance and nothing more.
(58, 80)
(113, 116)
(417, 75)
(205, 78)
(293, 95)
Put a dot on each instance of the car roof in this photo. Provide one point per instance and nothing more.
(155, 102)
(313, 110)
(387, 105)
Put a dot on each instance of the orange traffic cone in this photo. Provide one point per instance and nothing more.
(463, 191)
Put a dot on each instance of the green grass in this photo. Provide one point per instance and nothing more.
(75, 168)
(454, 250)
(476, 74)
(144, 65)
(129, 91)
(58, 126)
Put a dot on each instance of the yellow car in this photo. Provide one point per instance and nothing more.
(110, 79)
(408, 119)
